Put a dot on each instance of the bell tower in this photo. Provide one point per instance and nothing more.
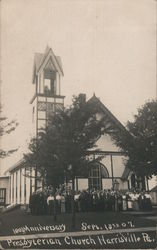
(47, 99)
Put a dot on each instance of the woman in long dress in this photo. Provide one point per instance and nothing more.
(124, 202)
(148, 203)
(130, 200)
(50, 203)
(62, 203)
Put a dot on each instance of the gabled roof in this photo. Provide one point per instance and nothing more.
(104, 109)
(16, 166)
(40, 58)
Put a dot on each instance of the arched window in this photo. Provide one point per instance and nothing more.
(104, 171)
(96, 173)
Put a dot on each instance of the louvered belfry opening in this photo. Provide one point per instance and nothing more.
(49, 82)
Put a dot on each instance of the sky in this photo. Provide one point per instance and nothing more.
(107, 47)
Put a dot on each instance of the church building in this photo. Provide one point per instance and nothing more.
(109, 173)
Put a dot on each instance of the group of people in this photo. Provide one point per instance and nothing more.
(50, 202)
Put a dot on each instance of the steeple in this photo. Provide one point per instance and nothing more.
(47, 99)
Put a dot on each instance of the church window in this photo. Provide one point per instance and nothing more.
(97, 172)
(104, 172)
(95, 181)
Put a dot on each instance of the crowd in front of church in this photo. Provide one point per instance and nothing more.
(44, 202)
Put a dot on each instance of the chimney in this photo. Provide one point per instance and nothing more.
(82, 98)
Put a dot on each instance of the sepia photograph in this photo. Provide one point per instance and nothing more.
(78, 124)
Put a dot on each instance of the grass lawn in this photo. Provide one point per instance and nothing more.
(18, 218)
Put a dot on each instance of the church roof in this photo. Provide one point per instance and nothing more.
(39, 59)
(95, 100)
(16, 166)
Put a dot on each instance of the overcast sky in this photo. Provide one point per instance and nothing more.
(107, 48)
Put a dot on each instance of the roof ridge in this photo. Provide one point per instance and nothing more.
(95, 98)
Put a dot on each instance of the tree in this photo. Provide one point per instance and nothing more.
(62, 150)
(5, 129)
(139, 141)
